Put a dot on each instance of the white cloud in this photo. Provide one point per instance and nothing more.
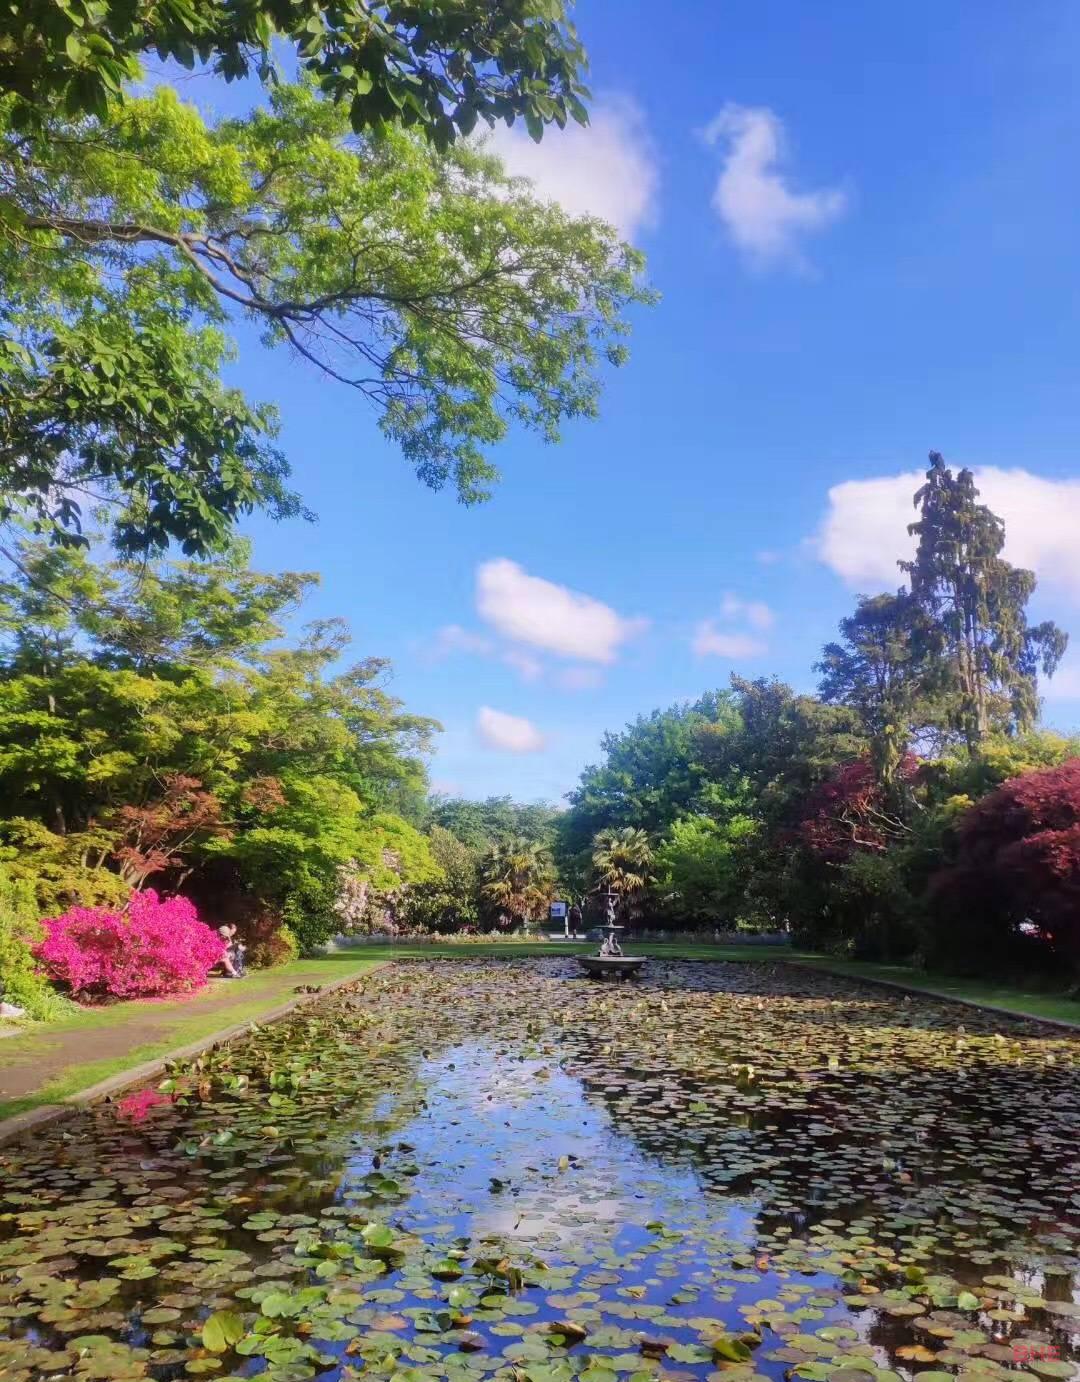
(763, 215)
(444, 787)
(528, 668)
(709, 641)
(579, 678)
(757, 614)
(452, 638)
(542, 614)
(712, 641)
(864, 530)
(607, 168)
(507, 733)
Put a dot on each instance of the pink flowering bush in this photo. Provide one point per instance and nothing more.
(154, 948)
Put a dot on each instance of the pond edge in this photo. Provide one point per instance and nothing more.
(32, 1119)
(35, 1118)
(1017, 1014)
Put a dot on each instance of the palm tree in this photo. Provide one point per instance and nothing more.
(519, 879)
(622, 860)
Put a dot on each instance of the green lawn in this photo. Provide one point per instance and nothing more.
(155, 1028)
(1023, 1002)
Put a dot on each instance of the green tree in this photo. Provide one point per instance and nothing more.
(482, 824)
(436, 66)
(961, 775)
(20, 931)
(783, 746)
(431, 285)
(701, 868)
(650, 775)
(153, 727)
(622, 862)
(780, 746)
(451, 902)
(878, 670)
(384, 888)
(210, 613)
(975, 605)
(518, 881)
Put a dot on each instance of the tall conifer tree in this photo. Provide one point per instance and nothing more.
(988, 657)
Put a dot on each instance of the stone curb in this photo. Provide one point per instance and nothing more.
(35, 1118)
(1060, 1022)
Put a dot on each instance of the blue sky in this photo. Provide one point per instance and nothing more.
(863, 224)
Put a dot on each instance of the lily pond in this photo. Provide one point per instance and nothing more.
(469, 1169)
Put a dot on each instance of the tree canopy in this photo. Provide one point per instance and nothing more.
(430, 284)
(854, 817)
(983, 656)
(877, 670)
(154, 728)
(435, 66)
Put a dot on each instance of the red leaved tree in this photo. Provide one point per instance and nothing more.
(1019, 858)
(850, 811)
(155, 836)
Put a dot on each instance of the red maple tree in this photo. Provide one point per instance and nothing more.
(154, 836)
(850, 811)
(1019, 849)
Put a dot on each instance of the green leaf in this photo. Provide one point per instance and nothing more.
(222, 1330)
(729, 1349)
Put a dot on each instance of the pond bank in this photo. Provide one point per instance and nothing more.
(1003, 999)
(53, 1066)
(1052, 1008)
(501, 1172)
(56, 1064)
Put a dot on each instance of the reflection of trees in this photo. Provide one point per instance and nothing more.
(844, 1148)
(879, 1137)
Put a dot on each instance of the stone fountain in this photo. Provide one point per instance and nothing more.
(610, 962)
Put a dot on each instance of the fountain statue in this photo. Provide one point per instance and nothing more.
(610, 960)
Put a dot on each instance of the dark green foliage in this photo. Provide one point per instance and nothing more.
(517, 883)
(878, 671)
(650, 774)
(980, 656)
(780, 746)
(716, 781)
(765, 807)
(496, 858)
(432, 65)
(482, 824)
(861, 907)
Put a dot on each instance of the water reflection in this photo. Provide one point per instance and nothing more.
(431, 1178)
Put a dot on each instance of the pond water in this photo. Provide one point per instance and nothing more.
(472, 1169)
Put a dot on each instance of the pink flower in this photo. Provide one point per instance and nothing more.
(137, 1106)
(155, 948)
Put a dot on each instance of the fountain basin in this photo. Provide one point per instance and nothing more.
(611, 966)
